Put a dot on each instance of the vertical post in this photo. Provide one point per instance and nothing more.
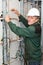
(42, 24)
(5, 35)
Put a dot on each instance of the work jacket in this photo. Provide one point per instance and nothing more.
(32, 38)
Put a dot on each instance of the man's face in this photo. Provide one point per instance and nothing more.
(31, 19)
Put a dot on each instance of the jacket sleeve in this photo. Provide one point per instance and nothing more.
(24, 32)
(23, 20)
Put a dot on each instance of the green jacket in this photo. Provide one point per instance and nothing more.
(32, 37)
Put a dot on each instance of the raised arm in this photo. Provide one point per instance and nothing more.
(23, 20)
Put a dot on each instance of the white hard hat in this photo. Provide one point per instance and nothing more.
(33, 12)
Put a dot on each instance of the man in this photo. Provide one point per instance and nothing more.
(31, 34)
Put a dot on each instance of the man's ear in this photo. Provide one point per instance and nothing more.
(37, 19)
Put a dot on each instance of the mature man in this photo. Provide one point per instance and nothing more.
(31, 34)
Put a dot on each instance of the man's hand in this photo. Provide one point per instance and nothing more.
(16, 12)
(7, 18)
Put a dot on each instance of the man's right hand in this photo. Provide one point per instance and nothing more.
(16, 12)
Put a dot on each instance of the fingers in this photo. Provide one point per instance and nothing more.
(15, 11)
(7, 18)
